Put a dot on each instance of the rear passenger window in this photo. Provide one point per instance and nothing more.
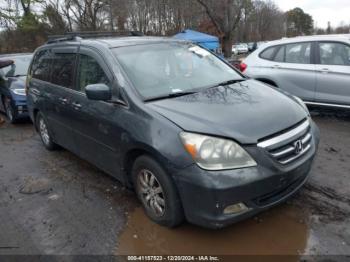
(279, 57)
(334, 54)
(90, 72)
(41, 65)
(268, 53)
(63, 70)
(299, 53)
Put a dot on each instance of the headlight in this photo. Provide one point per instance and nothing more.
(19, 91)
(301, 102)
(213, 153)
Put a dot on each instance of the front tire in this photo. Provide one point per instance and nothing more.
(44, 132)
(157, 192)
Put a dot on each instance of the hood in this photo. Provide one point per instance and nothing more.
(246, 111)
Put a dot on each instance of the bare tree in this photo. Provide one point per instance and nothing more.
(225, 15)
(267, 21)
(86, 14)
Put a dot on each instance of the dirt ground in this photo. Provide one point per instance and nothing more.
(55, 203)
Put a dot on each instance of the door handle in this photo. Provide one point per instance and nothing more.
(325, 70)
(35, 91)
(62, 100)
(76, 105)
(276, 67)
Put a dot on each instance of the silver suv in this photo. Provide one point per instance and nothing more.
(314, 68)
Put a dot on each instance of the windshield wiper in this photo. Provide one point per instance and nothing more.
(229, 82)
(171, 95)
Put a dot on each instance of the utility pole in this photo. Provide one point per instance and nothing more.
(111, 15)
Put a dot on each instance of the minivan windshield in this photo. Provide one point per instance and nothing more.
(19, 67)
(166, 69)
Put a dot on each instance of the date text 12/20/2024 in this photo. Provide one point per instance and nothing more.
(173, 258)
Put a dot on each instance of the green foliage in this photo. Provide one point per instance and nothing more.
(54, 20)
(29, 22)
(24, 29)
(299, 22)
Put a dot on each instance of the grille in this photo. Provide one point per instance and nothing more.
(287, 147)
(276, 195)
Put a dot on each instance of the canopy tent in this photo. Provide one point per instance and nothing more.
(204, 40)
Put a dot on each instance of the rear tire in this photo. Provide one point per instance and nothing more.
(44, 132)
(157, 192)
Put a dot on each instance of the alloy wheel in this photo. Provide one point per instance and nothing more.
(44, 133)
(151, 192)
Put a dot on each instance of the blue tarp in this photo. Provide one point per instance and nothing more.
(207, 41)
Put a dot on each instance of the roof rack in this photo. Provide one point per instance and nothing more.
(60, 38)
(74, 36)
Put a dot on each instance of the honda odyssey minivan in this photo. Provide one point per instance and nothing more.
(192, 136)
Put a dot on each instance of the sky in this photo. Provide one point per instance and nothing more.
(322, 11)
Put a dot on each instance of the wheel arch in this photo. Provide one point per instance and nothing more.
(35, 113)
(132, 154)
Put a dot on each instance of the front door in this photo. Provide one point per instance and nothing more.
(95, 123)
(333, 73)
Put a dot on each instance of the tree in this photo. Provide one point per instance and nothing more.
(54, 19)
(267, 21)
(329, 28)
(87, 15)
(25, 29)
(299, 23)
(225, 15)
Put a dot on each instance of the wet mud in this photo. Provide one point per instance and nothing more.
(282, 230)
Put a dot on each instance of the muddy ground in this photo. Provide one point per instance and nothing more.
(55, 203)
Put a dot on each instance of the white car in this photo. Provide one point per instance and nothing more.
(240, 49)
(314, 68)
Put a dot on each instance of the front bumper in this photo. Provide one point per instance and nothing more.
(205, 194)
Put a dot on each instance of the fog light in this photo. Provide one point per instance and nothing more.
(235, 209)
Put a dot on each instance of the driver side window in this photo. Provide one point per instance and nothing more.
(90, 72)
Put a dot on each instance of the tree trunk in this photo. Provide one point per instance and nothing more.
(227, 42)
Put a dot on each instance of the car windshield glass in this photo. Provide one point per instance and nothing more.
(158, 70)
(19, 67)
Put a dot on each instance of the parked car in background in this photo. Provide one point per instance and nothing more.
(240, 49)
(189, 133)
(252, 46)
(314, 68)
(12, 86)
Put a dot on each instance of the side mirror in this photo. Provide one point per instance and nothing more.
(98, 92)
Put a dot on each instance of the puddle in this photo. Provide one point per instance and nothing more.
(280, 231)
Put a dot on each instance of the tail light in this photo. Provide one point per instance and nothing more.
(242, 67)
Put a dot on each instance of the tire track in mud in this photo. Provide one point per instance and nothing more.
(324, 202)
(328, 192)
